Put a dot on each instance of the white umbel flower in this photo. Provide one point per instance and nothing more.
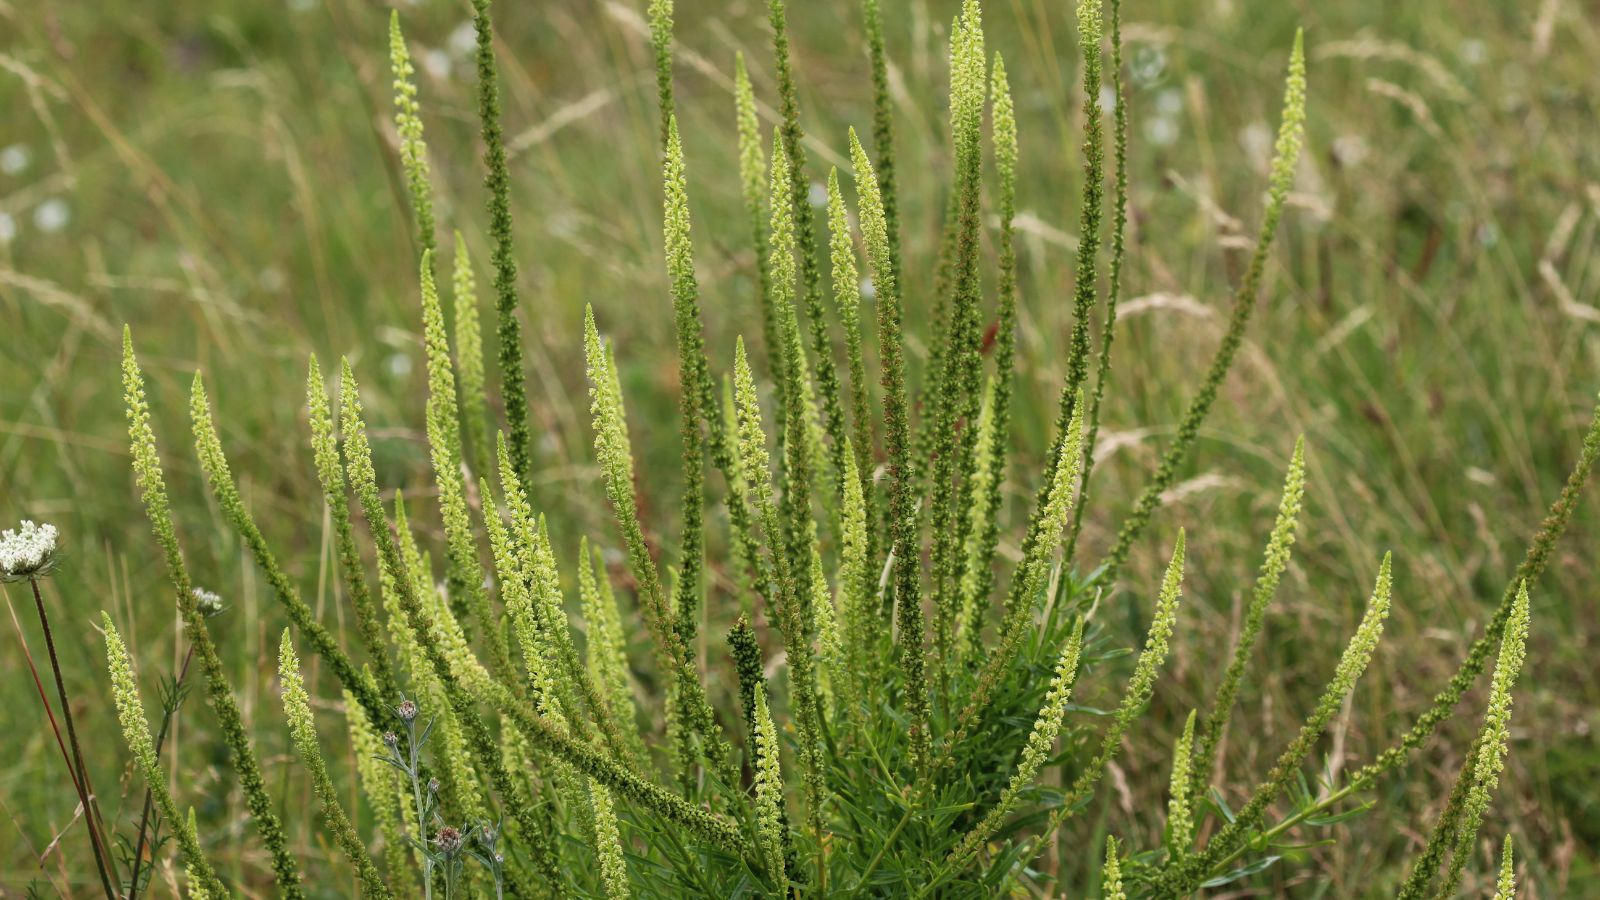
(27, 552)
(208, 602)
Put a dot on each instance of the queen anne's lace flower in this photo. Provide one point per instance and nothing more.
(27, 552)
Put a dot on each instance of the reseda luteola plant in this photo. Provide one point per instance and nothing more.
(882, 645)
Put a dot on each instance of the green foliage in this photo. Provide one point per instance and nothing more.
(912, 773)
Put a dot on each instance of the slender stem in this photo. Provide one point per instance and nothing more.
(82, 779)
(167, 716)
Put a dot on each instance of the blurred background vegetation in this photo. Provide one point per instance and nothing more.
(223, 176)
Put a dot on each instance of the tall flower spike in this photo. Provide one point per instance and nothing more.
(1489, 760)
(847, 299)
(794, 584)
(1506, 887)
(1279, 548)
(608, 843)
(136, 731)
(608, 659)
(408, 122)
(752, 183)
(1119, 234)
(660, 13)
(1085, 272)
(358, 468)
(464, 574)
(1180, 813)
(769, 789)
(857, 583)
(469, 357)
(900, 524)
(694, 373)
(958, 390)
(791, 138)
(325, 450)
(513, 384)
(1111, 875)
(614, 454)
(303, 731)
(1352, 662)
(883, 126)
(1141, 685)
(214, 463)
(1030, 578)
(1041, 740)
(153, 491)
(1534, 561)
(1285, 157)
(994, 441)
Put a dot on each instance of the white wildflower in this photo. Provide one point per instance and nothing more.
(208, 602)
(27, 552)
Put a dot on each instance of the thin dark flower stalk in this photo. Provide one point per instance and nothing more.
(1291, 132)
(80, 773)
(497, 179)
(810, 293)
(1119, 236)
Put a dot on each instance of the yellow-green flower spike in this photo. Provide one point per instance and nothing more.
(136, 732)
(614, 455)
(607, 652)
(847, 300)
(464, 574)
(694, 377)
(213, 462)
(1031, 576)
(994, 432)
(608, 843)
(1352, 662)
(1505, 888)
(1279, 549)
(197, 883)
(809, 291)
(769, 789)
(470, 378)
(147, 471)
(1141, 685)
(303, 731)
(330, 473)
(1111, 875)
(660, 14)
(1119, 233)
(1041, 741)
(408, 122)
(1492, 744)
(1285, 158)
(753, 188)
(358, 468)
(901, 512)
(1180, 811)
(957, 383)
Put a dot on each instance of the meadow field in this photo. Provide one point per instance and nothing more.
(225, 178)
